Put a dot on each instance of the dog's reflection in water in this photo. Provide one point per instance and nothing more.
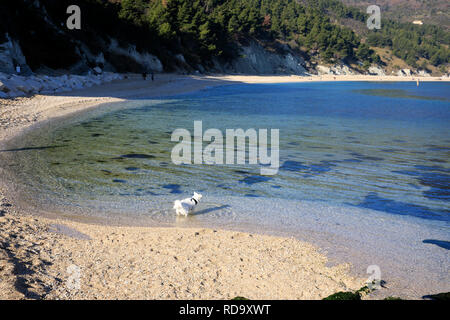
(197, 214)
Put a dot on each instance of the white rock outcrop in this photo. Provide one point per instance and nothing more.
(3, 87)
(180, 58)
(151, 62)
(11, 54)
(423, 73)
(337, 69)
(377, 71)
(255, 59)
(12, 86)
(323, 70)
(404, 73)
(98, 70)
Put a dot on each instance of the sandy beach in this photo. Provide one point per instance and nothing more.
(42, 258)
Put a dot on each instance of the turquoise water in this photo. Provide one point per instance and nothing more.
(381, 146)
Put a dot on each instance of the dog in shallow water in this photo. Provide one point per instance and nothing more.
(186, 206)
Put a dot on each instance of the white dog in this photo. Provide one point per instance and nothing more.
(184, 207)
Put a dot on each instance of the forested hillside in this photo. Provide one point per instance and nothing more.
(435, 12)
(184, 34)
(417, 45)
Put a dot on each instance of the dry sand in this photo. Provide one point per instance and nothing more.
(40, 258)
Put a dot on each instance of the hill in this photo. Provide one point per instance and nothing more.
(233, 36)
(435, 12)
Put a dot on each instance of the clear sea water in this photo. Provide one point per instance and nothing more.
(362, 158)
(382, 146)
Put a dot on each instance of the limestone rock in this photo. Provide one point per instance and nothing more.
(254, 59)
(375, 70)
(10, 53)
(146, 60)
(323, 70)
(404, 73)
(423, 73)
(3, 87)
(97, 70)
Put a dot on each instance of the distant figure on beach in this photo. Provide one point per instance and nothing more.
(144, 75)
(17, 67)
(153, 76)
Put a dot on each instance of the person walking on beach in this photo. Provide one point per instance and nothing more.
(153, 76)
(144, 75)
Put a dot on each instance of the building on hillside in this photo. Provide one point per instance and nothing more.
(418, 22)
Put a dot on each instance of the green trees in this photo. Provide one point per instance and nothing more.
(441, 56)
(208, 28)
(410, 42)
(133, 10)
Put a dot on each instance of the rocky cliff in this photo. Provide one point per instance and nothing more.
(255, 59)
(33, 36)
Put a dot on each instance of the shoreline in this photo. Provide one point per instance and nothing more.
(47, 252)
(18, 114)
(326, 78)
(161, 263)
